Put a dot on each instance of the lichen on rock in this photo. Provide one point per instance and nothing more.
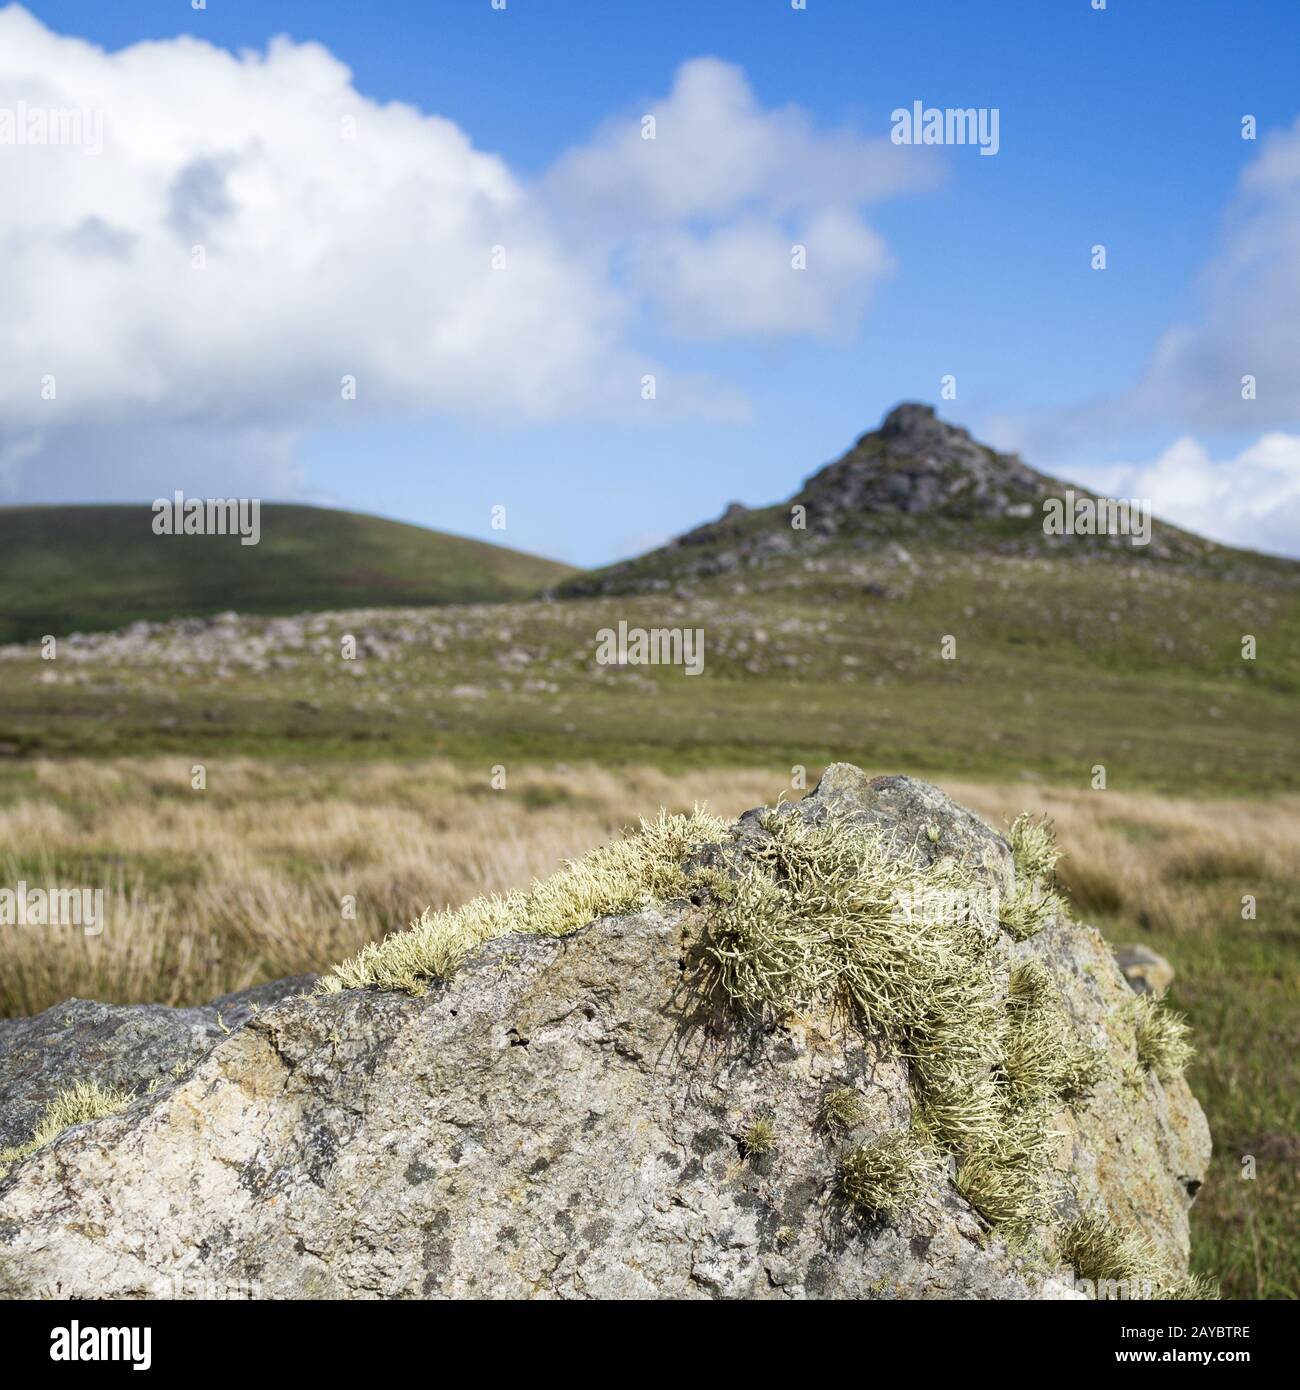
(797, 1056)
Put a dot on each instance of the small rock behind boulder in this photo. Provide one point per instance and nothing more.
(1145, 971)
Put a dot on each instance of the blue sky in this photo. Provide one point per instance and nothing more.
(1120, 126)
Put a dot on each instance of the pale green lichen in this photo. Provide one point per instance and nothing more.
(1027, 909)
(1161, 1037)
(1123, 1264)
(1102, 1253)
(1195, 1287)
(760, 1137)
(85, 1101)
(1033, 902)
(1033, 847)
(826, 913)
(841, 1108)
(1042, 1059)
(887, 1177)
(1043, 1067)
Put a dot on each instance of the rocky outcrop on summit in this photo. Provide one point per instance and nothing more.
(564, 1117)
(915, 464)
(915, 478)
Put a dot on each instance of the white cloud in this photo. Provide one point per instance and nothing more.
(325, 255)
(373, 256)
(738, 280)
(1251, 499)
(716, 152)
(706, 214)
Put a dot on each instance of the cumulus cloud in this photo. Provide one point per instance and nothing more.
(328, 249)
(1251, 499)
(741, 279)
(714, 202)
(715, 151)
(343, 237)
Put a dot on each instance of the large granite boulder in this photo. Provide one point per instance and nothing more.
(565, 1117)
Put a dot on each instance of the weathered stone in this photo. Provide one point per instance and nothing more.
(116, 1045)
(916, 815)
(1140, 1147)
(566, 1118)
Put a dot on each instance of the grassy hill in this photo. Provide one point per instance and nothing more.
(1057, 666)
(921, 621)
(84, 569)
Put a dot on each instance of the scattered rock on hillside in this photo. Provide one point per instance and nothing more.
(565, 1118)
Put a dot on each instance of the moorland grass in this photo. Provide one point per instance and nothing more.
(1051, 649)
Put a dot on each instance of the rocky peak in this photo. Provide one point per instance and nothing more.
(917, 463)
(914, 468)
(917, 424)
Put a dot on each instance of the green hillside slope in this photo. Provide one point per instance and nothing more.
(66, 569)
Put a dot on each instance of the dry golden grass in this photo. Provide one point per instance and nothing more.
(1147, 858)
(210, 891)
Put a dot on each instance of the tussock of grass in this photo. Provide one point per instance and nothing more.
(887, 1177)
(85, 1101)
(840, 1108)
(618, 877)
(760, 1137)
(1162, 1037)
